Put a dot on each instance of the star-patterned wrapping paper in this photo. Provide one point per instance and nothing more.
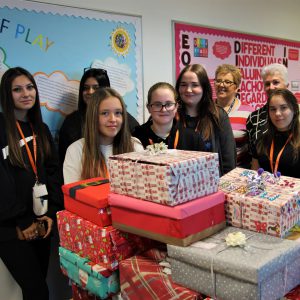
(274, 211)
(169, 178)
(266, 268)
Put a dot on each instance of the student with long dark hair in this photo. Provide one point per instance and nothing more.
(30, 184)
(199, 112)
(72, 127)
(106, 133)
(279, 149)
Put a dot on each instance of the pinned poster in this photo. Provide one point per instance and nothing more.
(55, 43)
(212, 47)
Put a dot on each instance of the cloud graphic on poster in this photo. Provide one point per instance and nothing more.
(119, 74)
(56, 92)
(3, 65)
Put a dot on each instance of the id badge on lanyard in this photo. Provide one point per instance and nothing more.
(39, 190)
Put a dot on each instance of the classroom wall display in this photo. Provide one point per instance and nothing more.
(212, 47)
(56, 43)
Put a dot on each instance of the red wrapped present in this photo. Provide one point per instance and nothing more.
(294, 294)
(81, 294)
(88, 199)
(179, 225)
(141, 277)
(102, 245)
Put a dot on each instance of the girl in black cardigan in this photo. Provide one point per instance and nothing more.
(28, 164)
(198, 112)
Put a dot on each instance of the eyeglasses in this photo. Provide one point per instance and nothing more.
(103, 71)
(226, 83)
(169, 106)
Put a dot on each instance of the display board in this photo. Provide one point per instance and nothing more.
(212, 47)
(56, 43)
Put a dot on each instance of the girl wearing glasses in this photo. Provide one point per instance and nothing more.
(72, 127)
(29, 169)
(227, 82)
(199, 112)
(279, 150)
(106, 133)
(162, 126)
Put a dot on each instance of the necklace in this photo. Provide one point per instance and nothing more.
(231, 106)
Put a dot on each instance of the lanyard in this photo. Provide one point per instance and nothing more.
(231, 107)
(175, 141)
(275, 168)
(32, 161)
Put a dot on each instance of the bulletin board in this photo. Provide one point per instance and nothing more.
(55, 43)
(212, 47)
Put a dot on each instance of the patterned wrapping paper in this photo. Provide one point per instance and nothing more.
(90, 276)
(274, 211)
(178, 225)
(171, 178)
(141, 277)
(88, 199)
(102, 245)
(80, 294)
(267, 268)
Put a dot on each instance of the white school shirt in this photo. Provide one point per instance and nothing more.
(72, 167)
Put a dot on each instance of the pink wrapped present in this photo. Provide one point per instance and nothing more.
(102, 245)
(170, 178)
(179, 225)
(274, 210)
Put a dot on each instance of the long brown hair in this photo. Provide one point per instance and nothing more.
(93, 162)
(34, 116)
(207, 112)
(263, 145)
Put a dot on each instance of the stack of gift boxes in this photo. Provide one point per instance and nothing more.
(171, 197)
(91, 248)
(176, 198)
(251, 261)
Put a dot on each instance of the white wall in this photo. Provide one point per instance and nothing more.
(275, 18)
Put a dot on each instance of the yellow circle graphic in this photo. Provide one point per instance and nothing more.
(120, 41)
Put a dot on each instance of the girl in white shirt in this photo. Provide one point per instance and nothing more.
(106, 133)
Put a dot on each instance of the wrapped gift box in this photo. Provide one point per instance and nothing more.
(170, 178)
(141, 277)
(88, 199)
(80, 294)
(90, 276)
(274, 211)
(179, 225)
(103, 245)
(265, 268)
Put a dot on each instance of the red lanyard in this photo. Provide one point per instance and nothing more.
(275, 168)
(175, 141)
(32, 162)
